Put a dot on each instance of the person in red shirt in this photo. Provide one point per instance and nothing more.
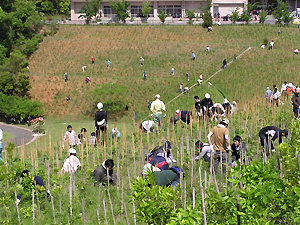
(93, 60)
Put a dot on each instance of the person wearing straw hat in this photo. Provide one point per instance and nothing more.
(100, 122)
(71, 163)
(157, 108)
(220, 143)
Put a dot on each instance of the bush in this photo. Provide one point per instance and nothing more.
(206, 15)
(191, 15)
(162, 16)
(262, 16)
(113, 96)
(235, 16)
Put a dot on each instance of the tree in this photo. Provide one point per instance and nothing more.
(262, 16)
(162, 16)
(235, 16)
(146, 9)
(90, 10)
(206, 14)
(121, 8)
(282, 13)
(246, 16)
(191, 15)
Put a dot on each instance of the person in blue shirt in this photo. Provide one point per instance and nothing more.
(108, 63)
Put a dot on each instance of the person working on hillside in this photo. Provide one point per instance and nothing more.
(268, 95)
(206, 103)
(205, 150)
(1, 147)
(207, 49)
(105, 173)
(180, 88)
(224, 64)
(83, 68)
(142, 61)
(289, 90)
(227, 106)
(220, 144)
(71, 163)
(147, 126)
(93, 139)
(108, 64)
(271, 45)
(157, 108)
(193, 56)
(197, 105)
(296, 51)
(185, 116)
(283, 89)
(93, 60)
(275, 96)
(81, 136)
(36, 181)
(66, 77)
(70, 137)
(296, 103)
(101, 122)
(269, 134)
(217, 111)
(87, 80)
(236, 149)
(187, 76)
(165, 151)
(145, 75)
(172, 71)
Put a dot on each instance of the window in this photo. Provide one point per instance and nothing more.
(108, 12)
(136, 11)
(173, 10)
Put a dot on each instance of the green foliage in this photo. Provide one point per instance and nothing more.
(121, 8)
(189, 216)
(206, 14)
(191, 15)
(154, 204)
(282, 13)
(90, 10)
(246, 16)
(146, 8)
(262, 16)
(18, 107)
(162, 16)
(113, 96)
(235, 16)
(51, 7)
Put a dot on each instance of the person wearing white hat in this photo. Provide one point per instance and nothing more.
(100, 122)
(142, 61)
(220, 144)
(157, 108)
(206, 103)
(71, 163)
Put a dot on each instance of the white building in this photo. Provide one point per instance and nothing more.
(176, 8)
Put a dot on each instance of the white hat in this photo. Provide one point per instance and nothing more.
(225, 100)
(157, 96)
(177, 111)
(290, 85)
(99, 105)
(207, 95)
(72, 151)
(234, 103)
(225, 121)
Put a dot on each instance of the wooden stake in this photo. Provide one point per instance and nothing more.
(203, 198)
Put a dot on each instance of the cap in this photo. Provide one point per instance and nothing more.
(72, 151)
(225, 100)
(177, 111)
(157, 96)
(99, 105)
(207, 95)
(225, 121)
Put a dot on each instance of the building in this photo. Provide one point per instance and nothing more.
(176, 8)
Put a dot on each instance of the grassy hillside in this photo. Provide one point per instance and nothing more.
(162, 47)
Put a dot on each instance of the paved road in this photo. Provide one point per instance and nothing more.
(21, 135)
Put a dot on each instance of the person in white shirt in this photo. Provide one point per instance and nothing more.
(142, 61)
(218, 111)
(271, 45)
(71, 163)
(83, 68)
(207, 49)
(218, 23)
(70, 137)
(205, 150)
(263, 46)
(158, 108)
(1, 138)
(296, 51)
(172, 71)
(283, 89)
(147, 126)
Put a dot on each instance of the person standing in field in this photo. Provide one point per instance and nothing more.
(145, 75)
(93, 60)
(173, 71)
(268, 95)
(193, 56)
(289, 90)
(81, 136)
(1, 147)
(93, 139)
(296, 103)
(220, 144)
(283, 89)
(187, 76)
(157, 109)
(142, 61)
(271, 45)
(180, 88)
(70, 137)
(66, 77)
(224, 64)
(108, 64)
(101, 122)
(71, 163)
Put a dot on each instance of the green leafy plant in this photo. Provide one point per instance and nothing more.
(235, 16)
(146, 8)
(206, 14)
(90, 10)
(190, 15)
(121, 9)
(282, 12)
(162, 16)
(263, 16)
